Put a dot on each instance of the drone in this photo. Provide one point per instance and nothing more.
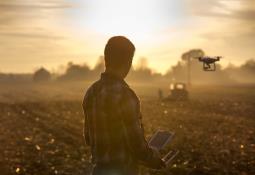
(209, 62)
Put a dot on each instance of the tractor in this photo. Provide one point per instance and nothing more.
(178, 92)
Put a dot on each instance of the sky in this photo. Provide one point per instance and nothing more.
(51, 33)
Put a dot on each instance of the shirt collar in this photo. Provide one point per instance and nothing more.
(109, 76)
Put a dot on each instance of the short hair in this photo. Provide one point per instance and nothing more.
(118, 51)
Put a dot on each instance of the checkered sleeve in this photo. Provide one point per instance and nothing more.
(135, 133)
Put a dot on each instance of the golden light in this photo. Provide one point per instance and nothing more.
(139, 20)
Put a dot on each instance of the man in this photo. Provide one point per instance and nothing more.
(113, 127)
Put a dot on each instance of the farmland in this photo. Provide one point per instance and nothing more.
(41, 129)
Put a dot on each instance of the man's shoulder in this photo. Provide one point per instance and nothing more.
(101, 85)
(131, 93)
(92, 87)
(90, 90)
(130, 97)
(117, 89)
(125, 90)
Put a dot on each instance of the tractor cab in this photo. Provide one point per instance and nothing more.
(178, 91)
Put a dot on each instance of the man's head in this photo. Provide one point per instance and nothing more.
(118, 54)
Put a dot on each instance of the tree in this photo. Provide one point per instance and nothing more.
(41, 75)
(100, 65)
(76, 72)
(142, 64)
(187, 56)
(142, 72)
(249, 65)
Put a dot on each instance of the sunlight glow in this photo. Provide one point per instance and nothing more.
(138, 20)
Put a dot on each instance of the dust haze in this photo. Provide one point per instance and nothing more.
(45, 71)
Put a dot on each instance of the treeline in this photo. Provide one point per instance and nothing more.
(143, 74)
(77, 72)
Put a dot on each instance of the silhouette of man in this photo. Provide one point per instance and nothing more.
(112, 126)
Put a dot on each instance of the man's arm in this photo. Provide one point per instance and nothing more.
(135, 133)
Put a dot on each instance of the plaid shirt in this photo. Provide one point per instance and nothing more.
(113, 127)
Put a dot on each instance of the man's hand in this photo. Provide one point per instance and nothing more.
(157, 163)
